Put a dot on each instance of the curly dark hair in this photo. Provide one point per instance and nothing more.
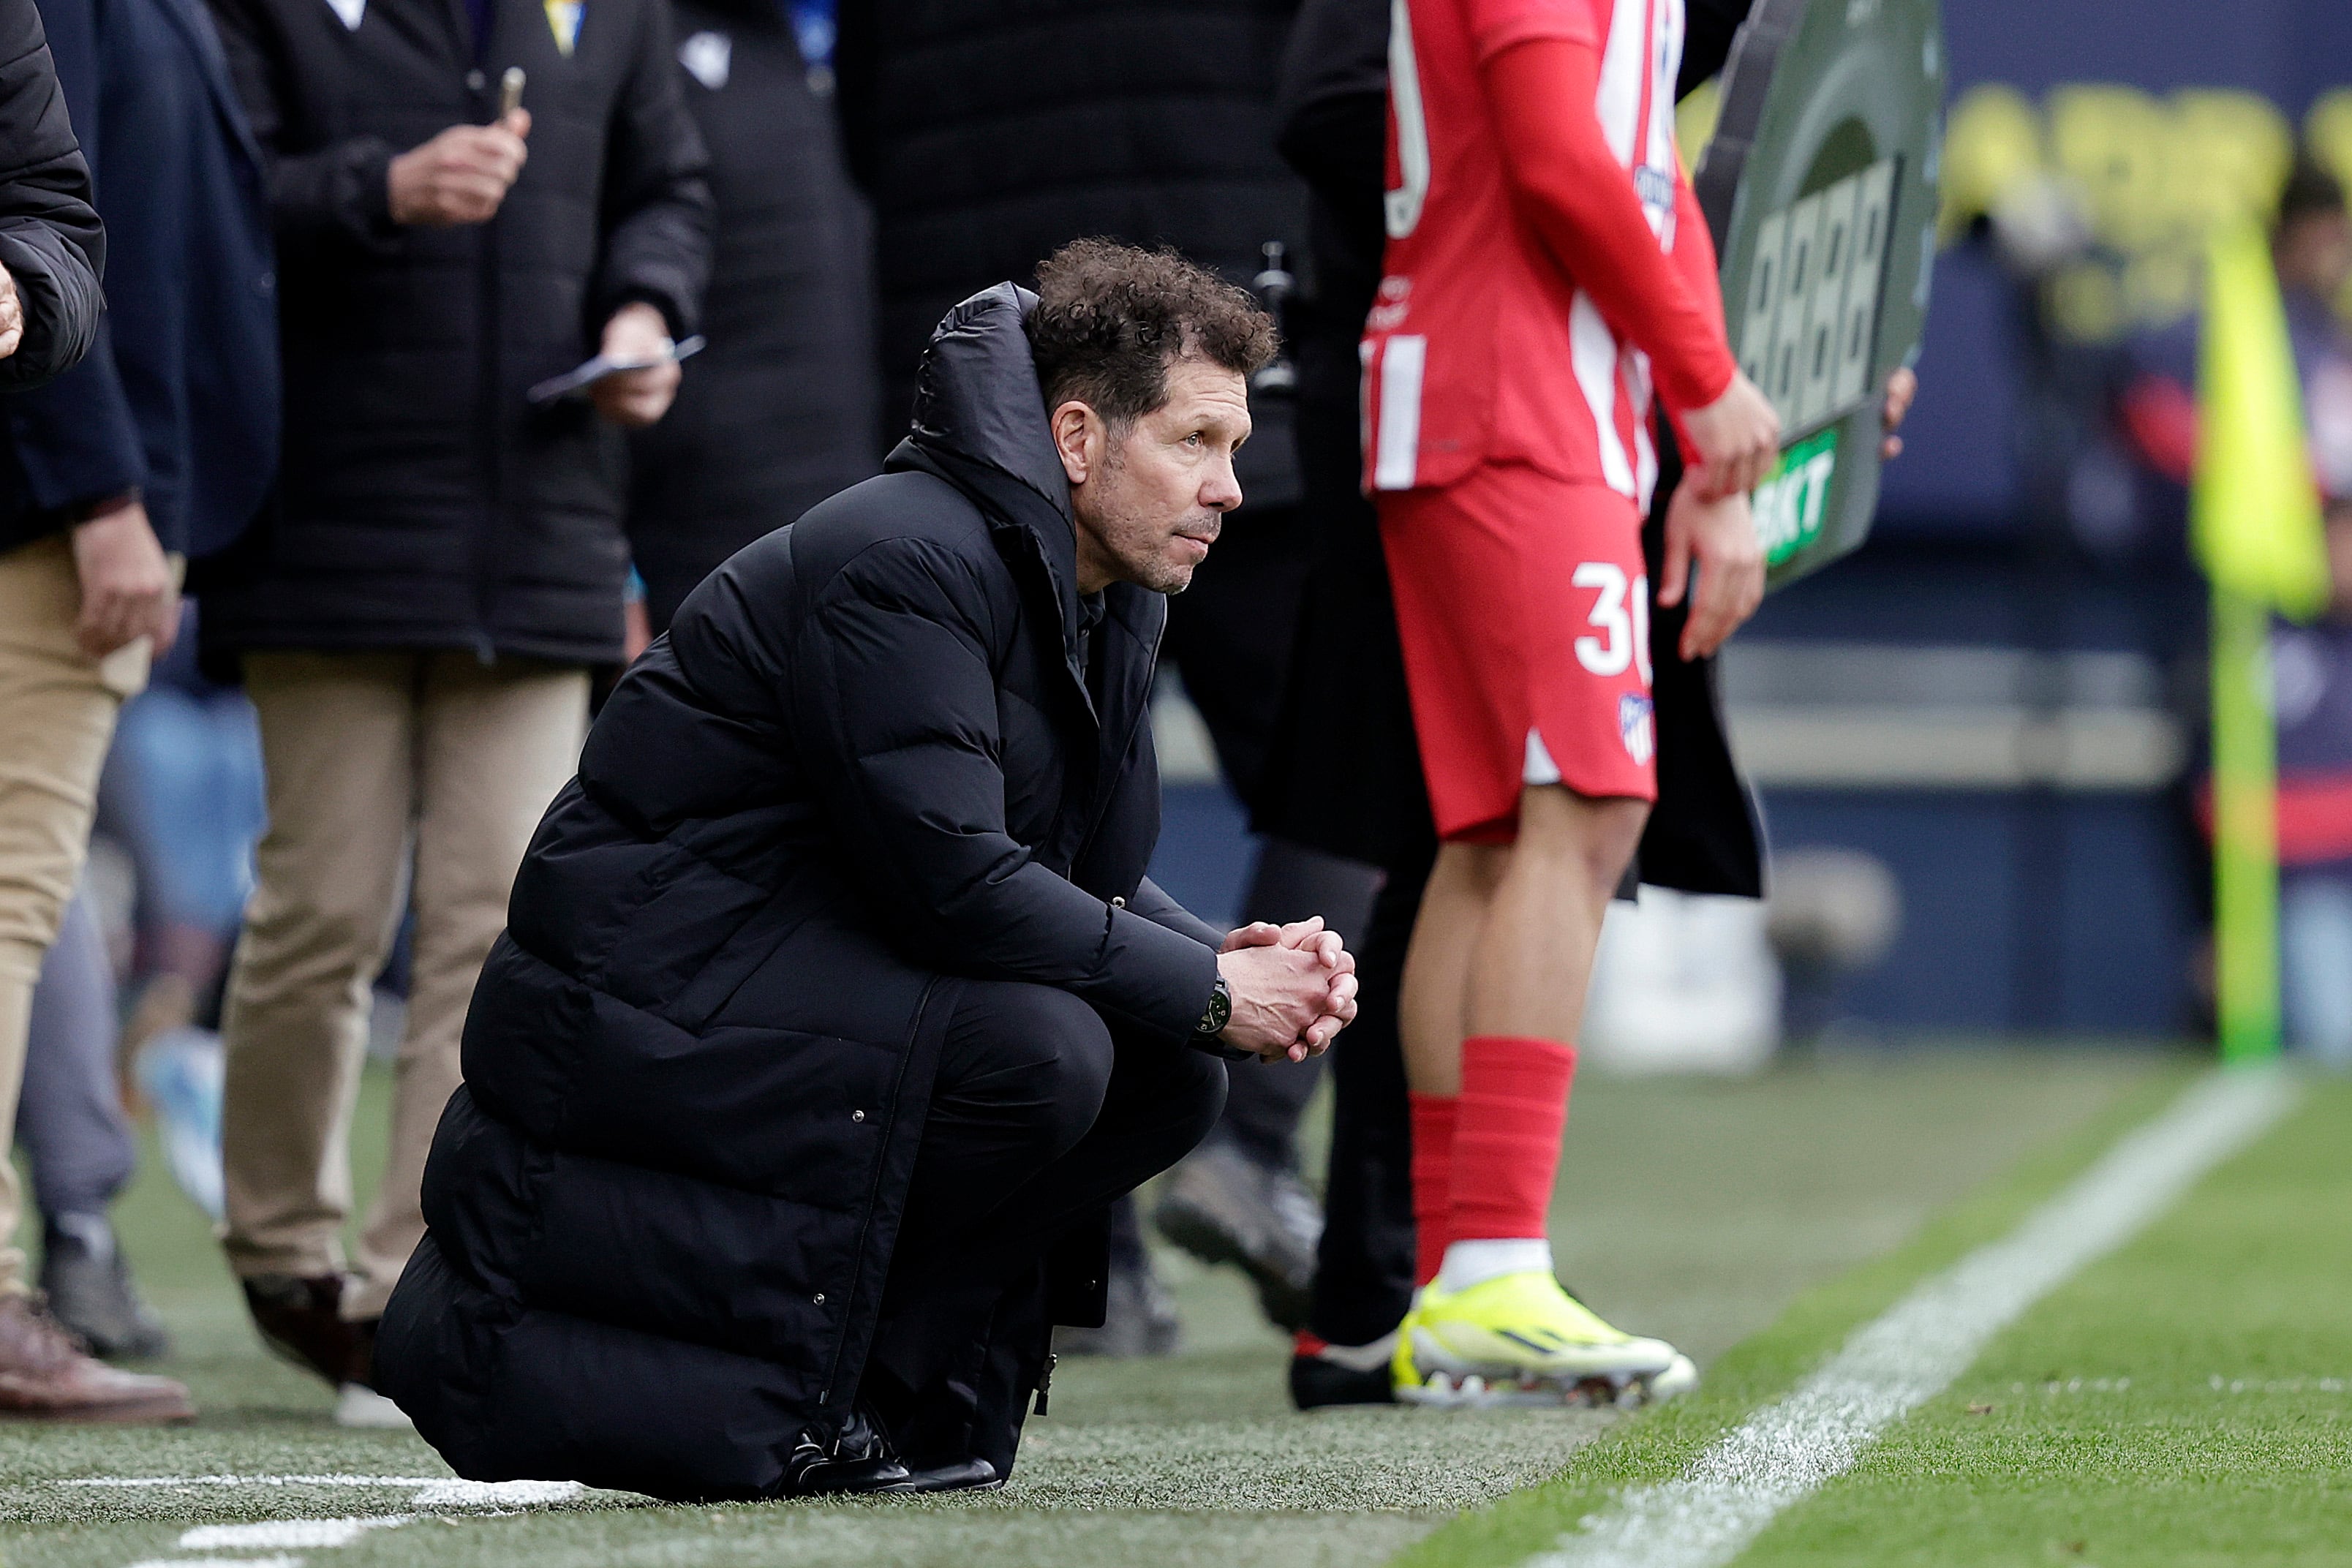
(1111, 318)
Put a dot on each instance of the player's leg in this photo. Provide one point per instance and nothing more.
(1494, 1325)
(1433, 1013)
(1534, 954)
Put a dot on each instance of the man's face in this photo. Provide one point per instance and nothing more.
(1150, 499)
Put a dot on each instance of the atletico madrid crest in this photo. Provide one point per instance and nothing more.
(1635, 727)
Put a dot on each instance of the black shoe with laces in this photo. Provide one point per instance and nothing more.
(90, 1291)
(860, 1459)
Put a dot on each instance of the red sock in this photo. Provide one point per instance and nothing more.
(1513, 1108)
(1433, 1176)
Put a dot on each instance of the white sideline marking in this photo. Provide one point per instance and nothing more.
(1889, 1367)
(497, 1494)
(287, 1532)
(432, 1491)
(219, 1563)
(256, 1481)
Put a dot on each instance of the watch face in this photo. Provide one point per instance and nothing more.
(1219, 1010)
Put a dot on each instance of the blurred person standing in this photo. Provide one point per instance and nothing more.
(86, 596)
(987, 134)
(171, 425)
(2311, 666)
(2311, 248)
(416, 616)
(780, 412)
(79, 1149)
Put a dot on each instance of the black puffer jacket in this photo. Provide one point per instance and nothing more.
(862, 764)
(49, 237)
(423, 503)
(779, 411)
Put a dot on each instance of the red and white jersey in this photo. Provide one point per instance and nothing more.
(1481, 347)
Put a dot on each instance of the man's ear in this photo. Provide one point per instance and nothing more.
(1078, 436)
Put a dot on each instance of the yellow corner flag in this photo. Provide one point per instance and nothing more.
(2254, 520)
(2254, 505)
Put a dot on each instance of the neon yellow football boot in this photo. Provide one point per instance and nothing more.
(1519, 1339)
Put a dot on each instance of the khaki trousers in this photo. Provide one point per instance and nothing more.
(58, 708)
(376, 764)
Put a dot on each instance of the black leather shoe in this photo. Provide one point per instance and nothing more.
(860, 1460)
(955, 1475)
(1323, 1375)
(811, 1472)
(301, 1321)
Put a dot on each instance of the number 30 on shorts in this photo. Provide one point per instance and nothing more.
(1622, 618)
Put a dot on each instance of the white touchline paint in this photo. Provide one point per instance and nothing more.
(497, 1494)
(287, 1532)
(387, 1482)
(1891, 1366)
(219, 1563)
(431, 1491)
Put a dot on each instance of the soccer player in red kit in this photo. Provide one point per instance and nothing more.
(1547, 269)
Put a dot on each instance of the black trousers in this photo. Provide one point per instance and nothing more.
(1041, 1115)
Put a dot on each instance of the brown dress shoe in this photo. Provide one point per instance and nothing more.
(302, 1320)
(44, 1376)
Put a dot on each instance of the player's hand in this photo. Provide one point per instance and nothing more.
(1901, 388)
(461, 175)
(1738, 436)
(635, 398)
(1718, 537)
(127, 590)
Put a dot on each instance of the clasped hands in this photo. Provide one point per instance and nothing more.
(1294, 987)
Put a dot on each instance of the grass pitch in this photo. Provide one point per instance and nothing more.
(1754, 1223)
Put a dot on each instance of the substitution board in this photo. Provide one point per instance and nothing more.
(1819, 187)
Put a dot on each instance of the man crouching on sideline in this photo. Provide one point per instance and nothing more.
(834, 1005)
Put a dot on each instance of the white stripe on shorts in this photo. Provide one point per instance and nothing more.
(1397, 456)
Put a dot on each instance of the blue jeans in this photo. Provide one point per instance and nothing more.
(183, 786)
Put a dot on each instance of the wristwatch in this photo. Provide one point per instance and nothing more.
(1217, 1014)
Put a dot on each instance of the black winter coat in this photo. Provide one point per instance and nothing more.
(990, 132)
(178, 398)
(781, 411)
(862, 766)
(50, 239)
(423, 503)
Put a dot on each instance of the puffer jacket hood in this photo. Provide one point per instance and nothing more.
(979, 424)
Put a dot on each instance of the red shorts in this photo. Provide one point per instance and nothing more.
(1523, 609)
